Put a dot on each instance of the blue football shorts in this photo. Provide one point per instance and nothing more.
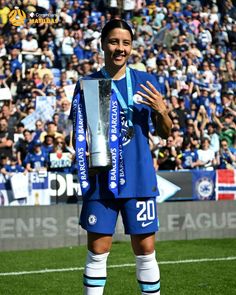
(139, 215)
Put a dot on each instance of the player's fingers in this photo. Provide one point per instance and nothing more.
(147, 97)
(147, 90)
(145, 102)
(151, 90)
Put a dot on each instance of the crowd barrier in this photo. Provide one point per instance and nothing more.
(187, 208)
(53, 188)
(38, 227)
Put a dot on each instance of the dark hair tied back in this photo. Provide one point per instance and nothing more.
(113, 24)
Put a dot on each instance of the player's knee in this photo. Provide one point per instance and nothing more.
(99, 244)
(143, 245)
(99, 248)
(144, 250)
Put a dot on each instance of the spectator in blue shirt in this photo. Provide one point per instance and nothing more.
(15, 42)
(227, 159)
(36, 160)
(189, 155)
(13, 167)
(161, 77)
(15, 64)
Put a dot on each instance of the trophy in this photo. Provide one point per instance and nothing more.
(97, 93)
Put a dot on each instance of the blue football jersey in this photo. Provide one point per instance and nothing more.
(36, 160)
(188, 158)
(161, 79)
(14, 169)
(140, 174)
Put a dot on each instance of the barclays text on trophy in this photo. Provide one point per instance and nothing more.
(97, 98)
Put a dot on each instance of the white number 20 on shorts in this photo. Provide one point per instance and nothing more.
(147, 210)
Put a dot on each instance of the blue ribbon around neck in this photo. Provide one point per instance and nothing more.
(128, 109)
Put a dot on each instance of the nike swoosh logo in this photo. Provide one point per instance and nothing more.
(144, 224)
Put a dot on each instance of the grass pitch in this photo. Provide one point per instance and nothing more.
(187, 268)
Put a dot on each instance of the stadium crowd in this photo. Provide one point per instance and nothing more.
(189, 46)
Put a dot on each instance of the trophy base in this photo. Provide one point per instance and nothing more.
(100, 162)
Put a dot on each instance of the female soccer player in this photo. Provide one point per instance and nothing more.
(141, 109)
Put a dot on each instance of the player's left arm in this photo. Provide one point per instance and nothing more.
(160, 117)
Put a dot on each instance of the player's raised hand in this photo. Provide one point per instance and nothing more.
(152, 98)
